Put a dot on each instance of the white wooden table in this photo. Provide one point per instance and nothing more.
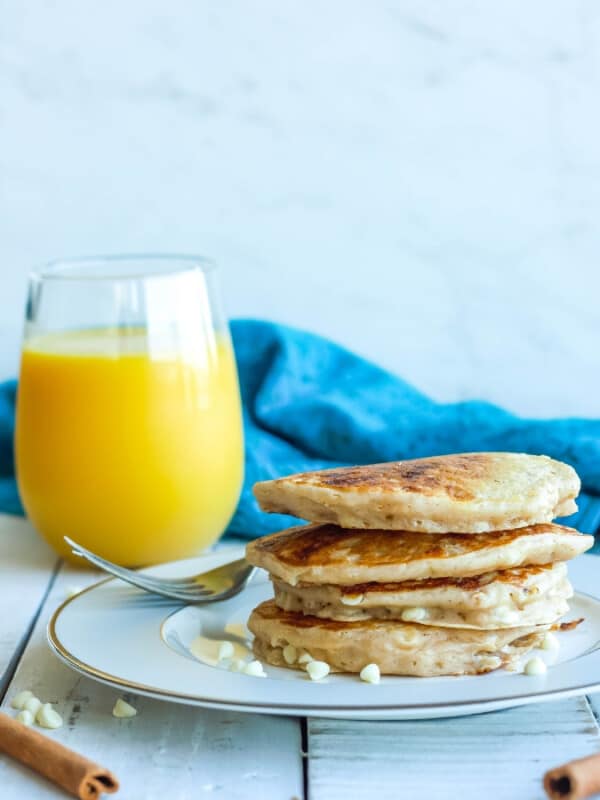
(171, 752)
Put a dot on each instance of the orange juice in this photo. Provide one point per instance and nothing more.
(135, 454)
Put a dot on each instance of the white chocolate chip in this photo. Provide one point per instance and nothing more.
(226, 650)
(370, 674)
(550, 642)
(317, 670)
(407, 636)
(123, 710)
(506, 616)
(26, 717)
(32, 705)
(255, 668)
(305, 658)
(290, 654)
(414, 614)
(20, 699)
(535, 666)
(352, 599)
(237, 665)
(47, 717)
(488, 662)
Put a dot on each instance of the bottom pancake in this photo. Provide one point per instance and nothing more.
(398, 648)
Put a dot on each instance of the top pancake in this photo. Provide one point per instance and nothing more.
(327, 554)
(463, 493)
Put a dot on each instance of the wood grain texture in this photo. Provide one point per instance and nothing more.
(594, 701)
(167, 750)
(26, 567)
(176, 752)
(501, 755)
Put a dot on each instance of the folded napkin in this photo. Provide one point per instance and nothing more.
(309, 403)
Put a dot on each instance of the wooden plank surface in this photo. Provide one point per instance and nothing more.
(175, 752)
(167, 750)
(594, 701)
(501, 755)
(26, 568)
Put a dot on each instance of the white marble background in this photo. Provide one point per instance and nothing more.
(418, 180)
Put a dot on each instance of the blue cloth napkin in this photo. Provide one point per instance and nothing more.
(309, 403)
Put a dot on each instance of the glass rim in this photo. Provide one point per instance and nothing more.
(91, 268)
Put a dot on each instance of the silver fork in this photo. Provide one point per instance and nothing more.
(217, 584)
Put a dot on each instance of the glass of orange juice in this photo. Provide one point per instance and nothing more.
(129, 431)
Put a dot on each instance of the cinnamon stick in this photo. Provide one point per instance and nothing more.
(71, 771)
(575, 780)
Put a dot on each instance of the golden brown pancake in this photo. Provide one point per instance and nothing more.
(398, 648)
(507, 599)
(328, 554)
(463, 493)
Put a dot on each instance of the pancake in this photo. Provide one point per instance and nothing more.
(506, 599)
(398, 648)
(328, 554)
(463, 493)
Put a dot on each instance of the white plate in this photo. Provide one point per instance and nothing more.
(128, 639)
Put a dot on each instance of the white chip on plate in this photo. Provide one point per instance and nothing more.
(32, 705)
(550, 642)
(47, 717)
(255, 668)
(317, 670)
(20, 699)
(370, 674)
(535, 666)
(26, 717)
(123, 710)
(226, 650)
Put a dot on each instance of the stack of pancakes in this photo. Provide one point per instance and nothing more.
(437, 566)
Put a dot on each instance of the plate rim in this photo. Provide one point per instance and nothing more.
(90, 671)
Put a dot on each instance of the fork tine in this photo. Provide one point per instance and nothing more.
(187, 586)
(187, 590)
(141, 581)
(192, 582)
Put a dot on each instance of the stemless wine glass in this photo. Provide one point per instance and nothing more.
(129, 431)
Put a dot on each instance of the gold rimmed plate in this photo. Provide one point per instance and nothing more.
(123, 637)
